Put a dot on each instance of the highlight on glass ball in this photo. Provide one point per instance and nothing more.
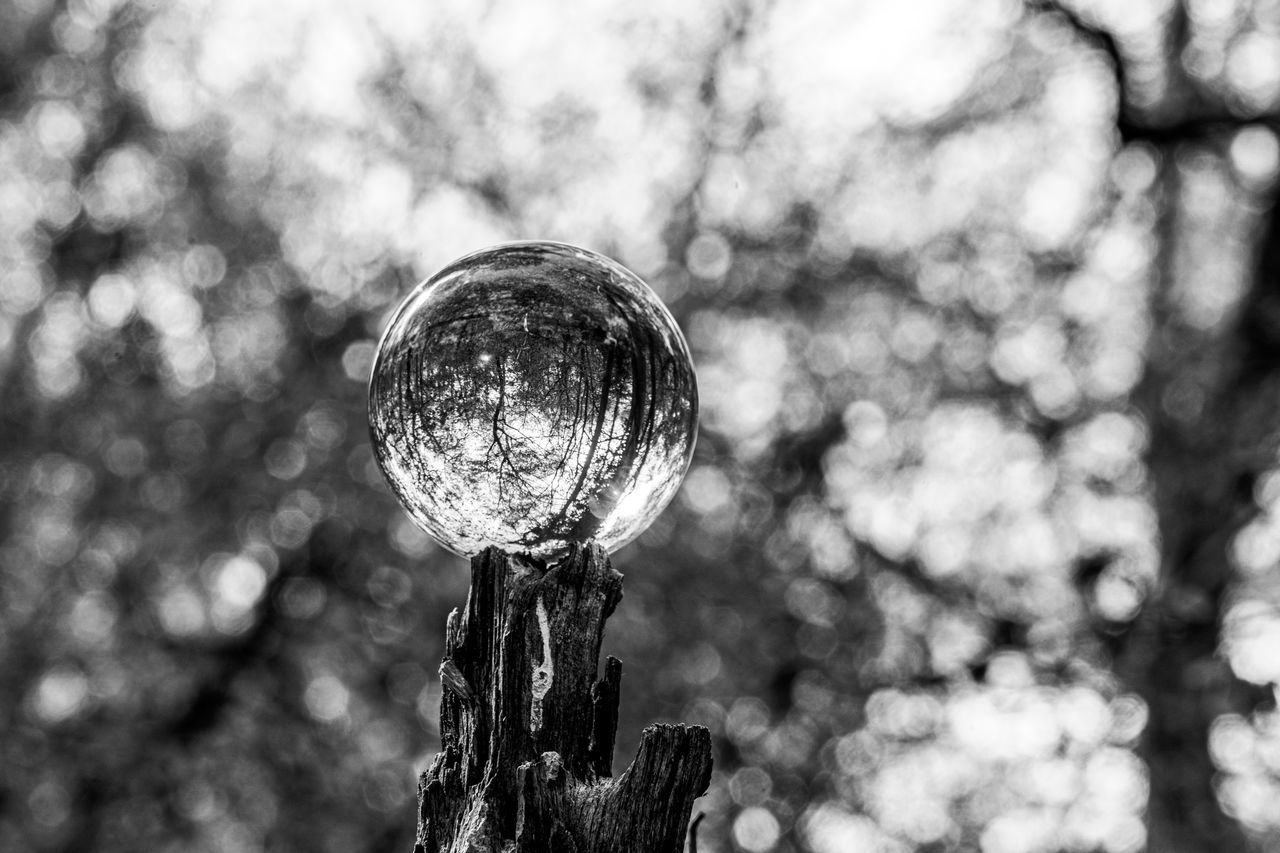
(532, 395)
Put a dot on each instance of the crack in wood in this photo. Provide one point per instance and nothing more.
(543, 673)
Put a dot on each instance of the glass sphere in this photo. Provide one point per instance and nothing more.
(532, 395)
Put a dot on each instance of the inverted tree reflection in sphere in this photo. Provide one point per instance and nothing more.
(532, 395)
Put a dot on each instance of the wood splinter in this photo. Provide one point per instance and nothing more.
(528, 729)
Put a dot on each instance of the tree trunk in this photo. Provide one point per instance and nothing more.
(527, 730)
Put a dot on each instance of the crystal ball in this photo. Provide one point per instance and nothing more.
(532, 395)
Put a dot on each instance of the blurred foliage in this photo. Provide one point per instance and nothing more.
(979, 550)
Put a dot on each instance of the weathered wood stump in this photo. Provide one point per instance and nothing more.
(527, 730)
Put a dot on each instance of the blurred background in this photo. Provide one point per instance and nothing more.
(981, 547)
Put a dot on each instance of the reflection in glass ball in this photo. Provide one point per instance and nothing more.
(532, 395)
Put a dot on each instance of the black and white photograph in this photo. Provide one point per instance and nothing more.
(694, 426)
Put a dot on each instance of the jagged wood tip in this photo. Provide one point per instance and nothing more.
(528, 724)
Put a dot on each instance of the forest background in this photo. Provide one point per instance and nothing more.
(981, 546)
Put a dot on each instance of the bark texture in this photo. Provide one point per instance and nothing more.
(528, 729)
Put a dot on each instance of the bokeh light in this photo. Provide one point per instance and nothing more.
(979, 544)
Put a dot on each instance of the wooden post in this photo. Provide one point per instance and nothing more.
(527, 729)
